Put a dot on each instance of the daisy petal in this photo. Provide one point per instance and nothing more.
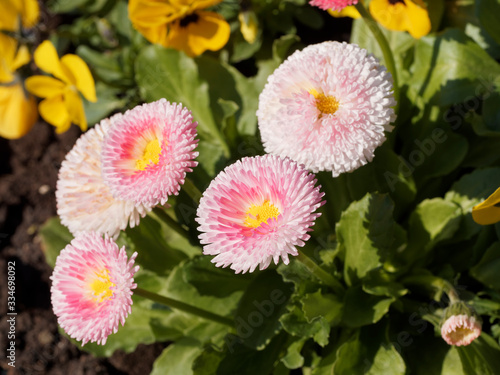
(92, 287)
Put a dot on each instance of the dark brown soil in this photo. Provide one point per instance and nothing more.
(28, 174)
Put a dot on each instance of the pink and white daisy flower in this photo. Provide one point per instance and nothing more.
(327, 107)
(460, 330)
(336, 5)
(258, 210)
(92, 287)
(84, 201)
(147, 154)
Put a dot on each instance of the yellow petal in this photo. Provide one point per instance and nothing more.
(30, 13)
(151, 18)
(349, 11)
(9, 16)
(55, 113)
(44, 86)
(407, 16)
(47, 59)
(249, 26)
(18, 113)
(210, 31)
(8, 47)
(391, 16)
(418, 23)
(202, 4)
(84, 80)
(74, 105)
(488, 212)
(22, 58)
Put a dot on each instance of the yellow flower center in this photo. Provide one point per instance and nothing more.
(100, 286)
(326, 104)
(460, 333)
(151, 155)
(256, 215)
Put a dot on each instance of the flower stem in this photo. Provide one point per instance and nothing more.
(183, 307)
(435, 285)
(384, 46)
(320, 273)
(160, 212)
(191, 189)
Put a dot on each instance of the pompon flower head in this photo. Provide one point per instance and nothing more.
(327, 107)
(147, 154)
(336, 5)
(92, 287)
(84, 201)
(258, 210)
(461, 325)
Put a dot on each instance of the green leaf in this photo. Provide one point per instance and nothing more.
(55, 237)
(214, 281)
(177, 358)
(491, 112)
(400, 42)
(469, 191)
(369, 352)
(487, 12)
(208, 361)
(293, 359)
(260, 308)
(295, 323)
(170, 74)
(457, 65)
(380, 283)
(452, 364)
(150, 321)
(366, 231)
(327, 305)
(482, 356)
(154, 252)
(111, 68)
(433, 220)
(242, 360)
(362, 309)
(107, 102)
(486, 271)
(267, 67)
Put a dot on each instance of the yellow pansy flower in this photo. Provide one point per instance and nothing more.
(62, 104)
(18, 111)
(349, 11)
(488, 212)
(12, 11)
(180, 24)
(402, 15)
